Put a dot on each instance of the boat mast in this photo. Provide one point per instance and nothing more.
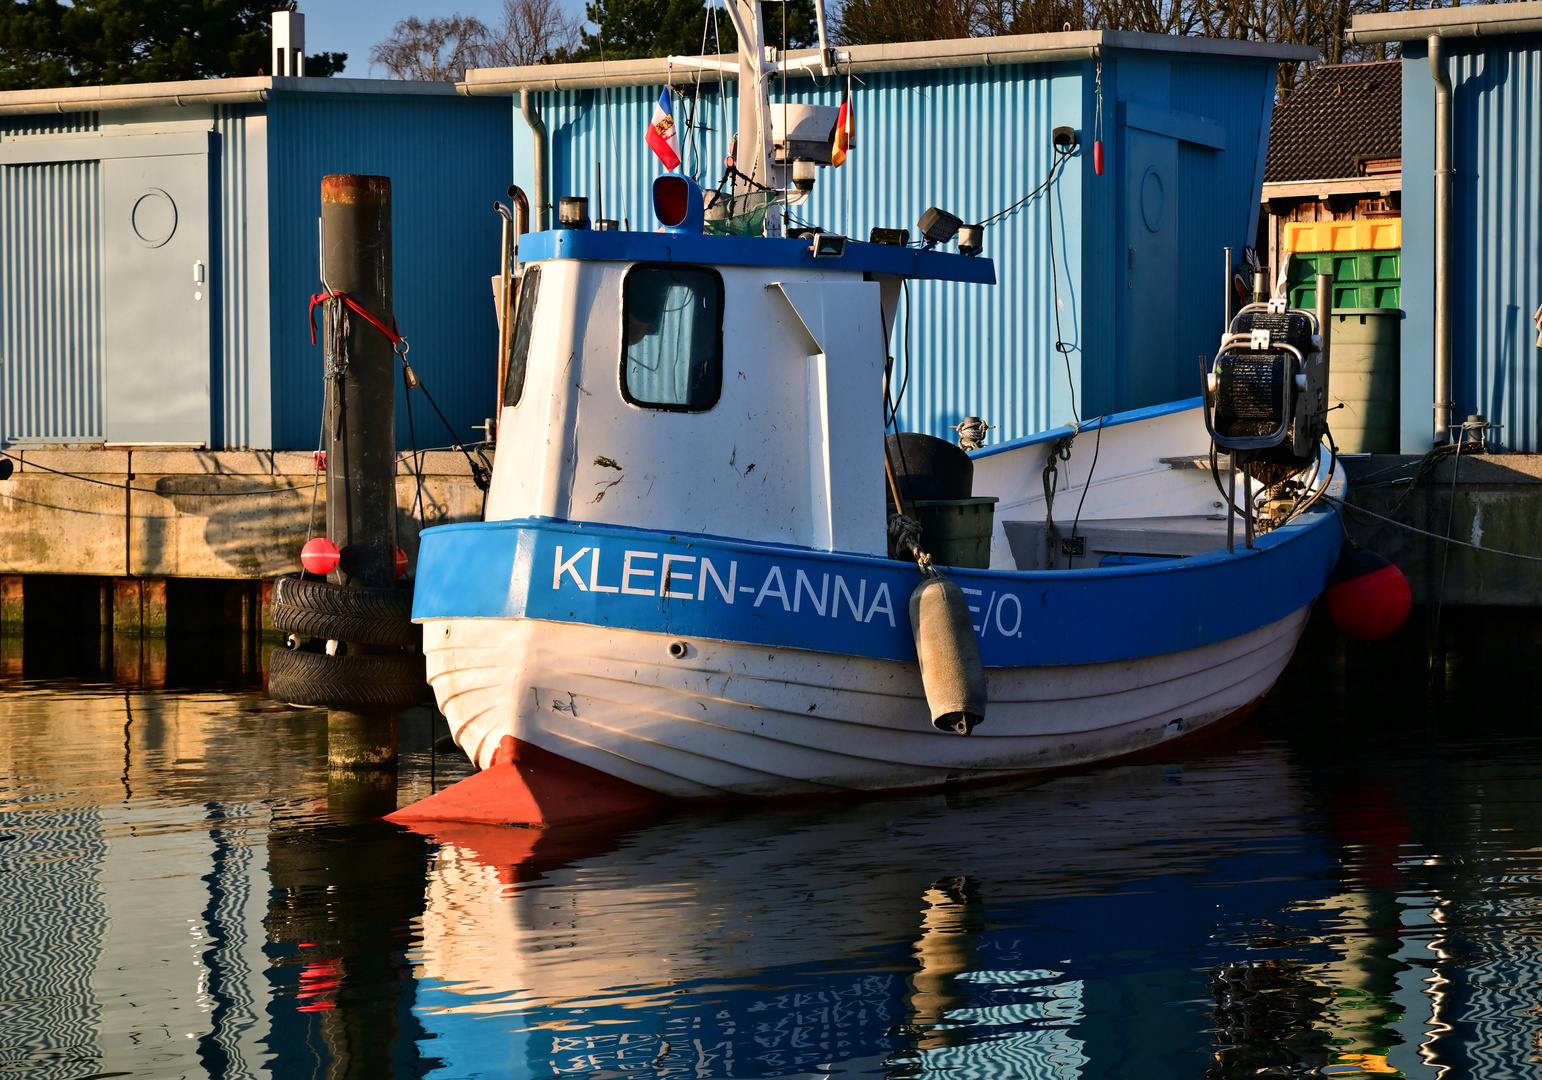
(755, 108)
(757, 64)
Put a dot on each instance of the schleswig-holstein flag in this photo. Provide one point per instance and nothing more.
(662, 139)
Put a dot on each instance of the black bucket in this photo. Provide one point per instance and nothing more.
(927, 468)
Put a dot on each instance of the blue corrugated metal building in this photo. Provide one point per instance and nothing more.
(1122, 269)
(158, 246)
(1493, 57)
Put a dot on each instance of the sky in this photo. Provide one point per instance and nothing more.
(354, 26)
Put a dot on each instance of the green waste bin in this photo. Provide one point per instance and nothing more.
(1363, 377)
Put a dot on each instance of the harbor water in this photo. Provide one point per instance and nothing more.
(1347, 884)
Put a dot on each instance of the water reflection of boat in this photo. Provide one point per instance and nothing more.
(889, 932)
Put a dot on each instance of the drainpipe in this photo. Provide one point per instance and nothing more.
(538, 129)
(1443, 175)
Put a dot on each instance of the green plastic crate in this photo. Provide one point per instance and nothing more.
(1368, 295)
(1361, 279)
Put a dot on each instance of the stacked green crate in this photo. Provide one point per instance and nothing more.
(1361, 279)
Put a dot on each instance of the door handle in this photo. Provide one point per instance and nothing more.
(198, 272)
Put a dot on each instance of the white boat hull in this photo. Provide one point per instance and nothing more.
(732, 718)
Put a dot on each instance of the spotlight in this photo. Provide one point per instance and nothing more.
(573, 212)
(971, 238)
(825, 246)
(938, 226)
(892, 237)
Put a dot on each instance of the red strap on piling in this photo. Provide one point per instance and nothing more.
(321, 298)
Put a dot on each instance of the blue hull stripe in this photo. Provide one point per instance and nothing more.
(786, 597)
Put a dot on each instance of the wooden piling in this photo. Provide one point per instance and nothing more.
(360, 441)
(11, 614)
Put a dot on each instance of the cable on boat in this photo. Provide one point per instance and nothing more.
(1060, 450)
(1087, 484)
(1061, 157)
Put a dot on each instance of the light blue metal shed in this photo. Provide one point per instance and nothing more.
(1124, 269)
(1492, 55)
(158, 246)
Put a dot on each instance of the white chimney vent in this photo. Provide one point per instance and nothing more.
(288, 42)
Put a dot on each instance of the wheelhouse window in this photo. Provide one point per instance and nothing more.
(672, 319)
(519, 347)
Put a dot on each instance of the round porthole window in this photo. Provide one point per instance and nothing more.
(154, 218)
(1153, 199)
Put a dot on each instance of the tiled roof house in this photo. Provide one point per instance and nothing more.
(1335, 149)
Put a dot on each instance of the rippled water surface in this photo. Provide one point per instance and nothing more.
(1346, 885)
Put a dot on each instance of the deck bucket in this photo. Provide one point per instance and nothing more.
(956, 532)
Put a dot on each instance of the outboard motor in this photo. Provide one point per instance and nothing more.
(1266, 396)
(1267, 389)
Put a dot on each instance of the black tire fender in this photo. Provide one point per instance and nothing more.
(320, 609)
(361, 682)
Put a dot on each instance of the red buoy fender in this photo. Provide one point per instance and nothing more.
(1368, 598)
(319, 556)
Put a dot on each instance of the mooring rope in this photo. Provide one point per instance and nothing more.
(1432, 535)
(905, 531)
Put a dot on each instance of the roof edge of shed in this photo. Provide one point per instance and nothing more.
(76, 99)
(901, 56)
(1481, 20)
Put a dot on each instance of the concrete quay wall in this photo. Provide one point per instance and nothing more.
(196, 514)
(1491, 500)
(242, 515)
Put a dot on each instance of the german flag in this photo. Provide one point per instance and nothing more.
(845, 132)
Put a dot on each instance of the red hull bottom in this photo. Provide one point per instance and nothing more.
(526, 785)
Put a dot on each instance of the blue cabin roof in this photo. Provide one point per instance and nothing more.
(859, 257)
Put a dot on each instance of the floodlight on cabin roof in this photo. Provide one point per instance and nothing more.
(938, 226)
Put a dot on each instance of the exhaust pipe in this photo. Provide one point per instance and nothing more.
(532, 116)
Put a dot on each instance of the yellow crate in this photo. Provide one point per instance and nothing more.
(1366, 235)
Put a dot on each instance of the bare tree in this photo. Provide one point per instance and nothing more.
(443, 49)
(1318, 23)
(531, 31)
(433, 50)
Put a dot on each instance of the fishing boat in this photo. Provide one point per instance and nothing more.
(702, 565)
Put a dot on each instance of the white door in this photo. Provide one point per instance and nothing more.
(156, 298)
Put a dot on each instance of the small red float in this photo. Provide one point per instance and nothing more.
(1368, 598)
(319, 556)
(1097, 157)
(401, 562)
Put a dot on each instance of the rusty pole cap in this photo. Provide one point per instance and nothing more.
(356, 190)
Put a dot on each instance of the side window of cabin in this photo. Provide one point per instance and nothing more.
(519, 347)
(673, 330)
